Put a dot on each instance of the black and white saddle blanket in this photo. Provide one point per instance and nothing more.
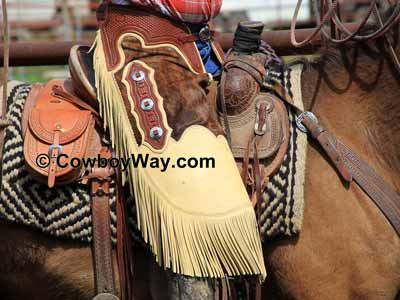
(64, 212)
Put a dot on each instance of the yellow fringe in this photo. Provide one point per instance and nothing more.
(191, 245)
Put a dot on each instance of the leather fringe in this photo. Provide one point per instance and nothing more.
(187, 244)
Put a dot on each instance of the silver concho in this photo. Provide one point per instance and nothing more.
(138, 75)
(147, 104)
(300, 119)
(156, 133)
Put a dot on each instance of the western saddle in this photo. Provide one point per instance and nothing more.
(255, 120)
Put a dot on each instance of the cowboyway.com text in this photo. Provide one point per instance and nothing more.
(137, 161)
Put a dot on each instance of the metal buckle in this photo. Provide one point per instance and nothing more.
(269, 106)
(100, 192)
(205, 34)
(301, 117)
(55, 146)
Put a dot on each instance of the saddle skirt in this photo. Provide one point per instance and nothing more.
(195, 223)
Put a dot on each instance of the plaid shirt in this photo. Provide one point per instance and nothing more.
(189, 11)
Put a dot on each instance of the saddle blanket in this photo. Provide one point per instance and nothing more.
(64, 212)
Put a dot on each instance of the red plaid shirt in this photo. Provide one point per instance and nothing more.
(190, 11)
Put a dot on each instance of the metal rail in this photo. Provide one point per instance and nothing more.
(57, 53)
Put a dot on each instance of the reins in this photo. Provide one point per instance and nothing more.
(332, 15)
(339, 34)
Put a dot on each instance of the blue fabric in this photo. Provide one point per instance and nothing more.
(209, 58)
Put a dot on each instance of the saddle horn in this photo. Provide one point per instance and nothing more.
(248, 37)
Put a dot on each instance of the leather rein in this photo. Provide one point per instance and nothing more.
(339, 34)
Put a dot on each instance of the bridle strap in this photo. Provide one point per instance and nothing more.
(383, 29)
(337, 25)
(313, 34)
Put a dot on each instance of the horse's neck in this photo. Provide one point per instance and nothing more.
(360, 105)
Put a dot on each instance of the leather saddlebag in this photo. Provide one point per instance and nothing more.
(57, 131)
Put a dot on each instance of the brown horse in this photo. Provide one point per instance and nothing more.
(347, 250)
(38, 266)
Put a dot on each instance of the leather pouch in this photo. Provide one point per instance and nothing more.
(57, 131)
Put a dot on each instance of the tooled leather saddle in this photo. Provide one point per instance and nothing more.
(255, 120)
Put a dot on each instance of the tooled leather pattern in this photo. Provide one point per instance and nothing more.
(81, 121)
(35, 147)
(76, 128)
(147, 119)
(240, 86)
(154, 29)
(102, 245)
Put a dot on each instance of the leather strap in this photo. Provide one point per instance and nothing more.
(260, 181)
(329, 143)
(60, 92)
(124, 246)
(102, 248)
(101, 235)
(54, 152)
(256, 70)
(30, 104)
(387, 200)
(351, 167)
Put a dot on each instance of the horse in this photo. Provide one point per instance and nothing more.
(347, 249)
(38, 266)
(323, 262)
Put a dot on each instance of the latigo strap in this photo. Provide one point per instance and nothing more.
(100, 179)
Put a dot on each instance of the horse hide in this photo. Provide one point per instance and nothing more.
(64, 212)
